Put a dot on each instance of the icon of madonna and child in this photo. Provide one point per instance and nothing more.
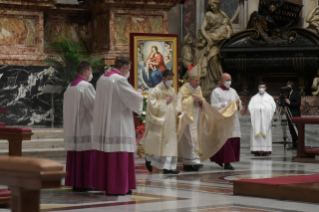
(154, 57)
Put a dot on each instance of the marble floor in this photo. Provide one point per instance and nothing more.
(210, 189)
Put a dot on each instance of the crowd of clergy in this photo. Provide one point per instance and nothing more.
(99, 130)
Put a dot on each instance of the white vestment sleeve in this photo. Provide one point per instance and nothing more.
(214, 99)
(89, 98)
(179, 100)
(240, 105)
(130, 97)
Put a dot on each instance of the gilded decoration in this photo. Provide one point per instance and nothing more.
(153, 54)
(127, 24)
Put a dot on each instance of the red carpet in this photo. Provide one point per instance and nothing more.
(284, 180)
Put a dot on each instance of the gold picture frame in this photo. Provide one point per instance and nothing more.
(161, 49)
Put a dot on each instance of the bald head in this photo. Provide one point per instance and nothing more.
(225, 77)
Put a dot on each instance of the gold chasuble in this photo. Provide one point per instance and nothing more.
(160, 136)
(214, 126)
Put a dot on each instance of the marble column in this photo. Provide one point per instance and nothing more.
(174, 18)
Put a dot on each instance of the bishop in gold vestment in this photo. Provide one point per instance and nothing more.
(202, 129)
(160, 138)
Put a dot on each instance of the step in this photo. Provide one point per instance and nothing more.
(37, 143)
(40, 152)
(47, 133)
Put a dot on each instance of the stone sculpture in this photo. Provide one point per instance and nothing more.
(215, 28)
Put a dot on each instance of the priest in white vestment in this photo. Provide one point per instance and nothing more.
(221, 97)
(114, 131)
(190, 158)
(160, 138)
(78, 105)
(262, 108)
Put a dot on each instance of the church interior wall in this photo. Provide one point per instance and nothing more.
(104, 30)
(26, 29)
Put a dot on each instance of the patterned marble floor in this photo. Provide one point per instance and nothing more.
(210, 189)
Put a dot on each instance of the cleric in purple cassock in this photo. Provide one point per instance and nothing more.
(78, 105)
(221, 97)
(114, 130)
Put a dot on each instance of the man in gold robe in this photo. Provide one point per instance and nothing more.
(160, 138)
(202, 129)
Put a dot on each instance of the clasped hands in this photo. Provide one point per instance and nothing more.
(198, 99)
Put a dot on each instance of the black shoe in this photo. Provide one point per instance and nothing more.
(148, 166)
(166, 171)
(228, 167)
(264, 154)
(221, 165)
(129, 192)
(257, 154)
(190, 168)
(75, 189)
(199, 166)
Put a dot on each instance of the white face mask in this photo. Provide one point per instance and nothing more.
(90, 77)
(227, 84)
(127, 75)
(262, 90)
(169, 83)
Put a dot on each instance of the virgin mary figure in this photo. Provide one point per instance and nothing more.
(155, 66)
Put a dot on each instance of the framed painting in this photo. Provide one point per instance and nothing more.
(151, 55)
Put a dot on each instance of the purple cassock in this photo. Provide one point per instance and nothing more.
(230, 152)
(115, 171)
(79, 164)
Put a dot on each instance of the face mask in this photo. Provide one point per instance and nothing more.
(169, 83)
(127, 75)
(289, 88)
(261, 90)
(227, 84)
(90, 77)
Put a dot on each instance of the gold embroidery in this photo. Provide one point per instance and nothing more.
(260, 134)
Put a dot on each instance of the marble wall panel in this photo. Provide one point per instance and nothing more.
(60, 25)
(189, 18)
(100, 32)
(127, 24)
(124, 22)
(21, 32)
(22, 93)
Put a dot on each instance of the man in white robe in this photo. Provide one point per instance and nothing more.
(262, 108)
(160, 138)
(221, 97)
(78, 105)
(114, 131)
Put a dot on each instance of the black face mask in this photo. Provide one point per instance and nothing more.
(289, 89)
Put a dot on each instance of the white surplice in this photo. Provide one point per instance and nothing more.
(262, 109)
(78, 106)
(187, 142)
(116, 100)
(219, 98)
(160, 138)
